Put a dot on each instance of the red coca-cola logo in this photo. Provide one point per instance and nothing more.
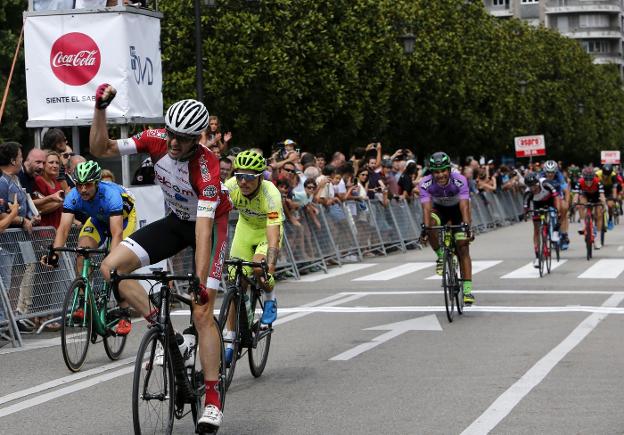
(75, 58)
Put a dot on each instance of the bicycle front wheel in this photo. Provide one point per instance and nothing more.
(546, 243)
(449, 283)
(77, 325)
(588, 235)
(153, 387)
(113, 344)
(260, 337)
(230, 307)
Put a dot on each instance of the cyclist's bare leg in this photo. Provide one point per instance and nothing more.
(563, 215)
(599, 217)
(432, 236)
(536, 237)
(208, 337)
(84, 242)
(610, 206)
(465, 263)
(582, 200)
(125, 261)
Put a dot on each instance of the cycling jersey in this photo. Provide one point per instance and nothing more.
(559, 182)
(110, 200)
(607, 180)
(594, 190)
(455, 190)
(260, 211)
(544, 197)
(192, 188)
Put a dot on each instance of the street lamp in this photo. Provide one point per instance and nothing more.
(199, 68)
(409, 40)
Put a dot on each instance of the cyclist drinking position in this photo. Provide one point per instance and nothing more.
(539, 193)
(556, 179)
(259, 229)
(445, 199)
(112, 216)
(589, 189)
(188, 174)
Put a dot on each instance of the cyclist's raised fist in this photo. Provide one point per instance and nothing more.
(104, 95)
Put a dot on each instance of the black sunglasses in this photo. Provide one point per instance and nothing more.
(68, 155)
(179, 137)
(292, 171)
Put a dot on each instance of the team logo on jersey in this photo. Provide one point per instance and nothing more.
(156, 133)
(138, 136)
(179, 197)
(210, 191)
(203, 169)
(458, 183)
(427, 184)
(272, 215)
(88, 229)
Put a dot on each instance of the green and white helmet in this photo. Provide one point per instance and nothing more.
(439, 161)
(87, 172)
(250, 160)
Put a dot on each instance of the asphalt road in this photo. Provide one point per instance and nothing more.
(367, 349)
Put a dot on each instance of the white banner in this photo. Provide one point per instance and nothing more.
(68, 55)
(612, 157)
(527, 146)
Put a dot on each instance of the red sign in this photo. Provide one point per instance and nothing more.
(75, 59)
(612, 157)
(527, 146)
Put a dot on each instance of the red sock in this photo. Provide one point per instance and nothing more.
(152, 316)
(212, 394)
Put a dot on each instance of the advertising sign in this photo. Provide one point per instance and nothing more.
(68, 55)
(527, 146)
(612, 157)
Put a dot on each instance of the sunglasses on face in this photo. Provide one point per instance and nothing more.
(310, 186)
(247, 177)
(87, 185)
(179, 137)
(292, 171)
(68, 155)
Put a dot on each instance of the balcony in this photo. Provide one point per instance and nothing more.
(575, 6)
(604, 58)
(612, 32)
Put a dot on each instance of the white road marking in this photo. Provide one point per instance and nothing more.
(65, 380)
(347, 268)
(620, 248)
(510, 398)
(607, 268)
(528, 271)
(38, 400)
(426, 323)
(477, 266)
(441, 308)
(395, 272)
(520, 292)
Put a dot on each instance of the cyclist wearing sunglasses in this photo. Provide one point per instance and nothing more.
(259, 228)
(188, 174)
(445, 199)
(588, 188)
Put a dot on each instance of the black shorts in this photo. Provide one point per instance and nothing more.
(447, 214)
(166, 237)
(543, 204)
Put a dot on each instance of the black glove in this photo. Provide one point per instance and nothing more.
(51, 259)
(100, 102)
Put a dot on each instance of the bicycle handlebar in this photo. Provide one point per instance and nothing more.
(239, 264)
(80, 250)
(161, 276)
(447, 227)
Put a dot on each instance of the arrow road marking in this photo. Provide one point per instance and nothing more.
(426, 323)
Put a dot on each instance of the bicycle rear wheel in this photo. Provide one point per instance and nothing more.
(77, 328)
(260, 337)
(153, 390)
(459, 294)
(231, 302)
(546, 242)
(540, 250)
(449, 283)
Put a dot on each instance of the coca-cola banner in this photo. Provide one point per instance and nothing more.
(69, 55)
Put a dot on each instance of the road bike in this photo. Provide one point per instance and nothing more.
(246, 298)
(451, 283)
(88, 314)
(165, 381)
(588, 227)
(544, 241)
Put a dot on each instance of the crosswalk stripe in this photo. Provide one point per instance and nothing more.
(528, 271)
(347, 268)
(607, 268)
(395, 272)
(477, 266)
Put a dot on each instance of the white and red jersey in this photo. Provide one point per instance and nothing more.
(192, 188)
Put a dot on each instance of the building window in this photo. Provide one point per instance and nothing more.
(594, 20)
(526, 2)
(500, 3)
(595, 46)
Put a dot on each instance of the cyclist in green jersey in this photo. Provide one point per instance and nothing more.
(259, 229)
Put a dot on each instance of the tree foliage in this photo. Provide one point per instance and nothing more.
(333, 75)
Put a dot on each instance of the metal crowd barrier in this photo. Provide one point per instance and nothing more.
(319, 237)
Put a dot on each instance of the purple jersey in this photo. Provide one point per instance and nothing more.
(455, 190)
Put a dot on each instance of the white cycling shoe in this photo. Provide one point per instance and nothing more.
(536, 262)
(210, 420)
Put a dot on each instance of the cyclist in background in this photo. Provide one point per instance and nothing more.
(590, 189)
(445, 199)
(188, 174)
(557, 180)
(610, 181)
(539, 193)
(112, 216)
(259, 229)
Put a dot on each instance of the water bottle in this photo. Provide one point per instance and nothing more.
(249, 309)
(186, 344)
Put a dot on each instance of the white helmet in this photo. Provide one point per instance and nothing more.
(188, 117)
(550, 166)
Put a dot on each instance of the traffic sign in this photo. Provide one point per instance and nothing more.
(528, 146)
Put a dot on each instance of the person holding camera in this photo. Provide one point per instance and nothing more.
(47, 184)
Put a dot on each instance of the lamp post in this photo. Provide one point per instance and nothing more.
(199, 68)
